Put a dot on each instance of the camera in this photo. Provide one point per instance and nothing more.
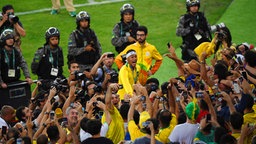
(217, 26)
(163, 99)
(143, 98)
(97, 89)
(79, 75)
(64, 122)
(94, 104)
(199, 94)
(221, 36)
(14, 18)
(145, 124)
(113, 77)
(123, 58)
(208, 117)
(60, 84)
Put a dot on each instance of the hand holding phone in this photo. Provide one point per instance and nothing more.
(4, 129)
(168, 45)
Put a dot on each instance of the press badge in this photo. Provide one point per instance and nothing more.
(11, 73)
(54, 72)
(197, 36)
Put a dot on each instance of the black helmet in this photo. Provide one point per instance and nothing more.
(126, 8)
(52, 31)
(82, 15)
(7, 34)
(190, 3)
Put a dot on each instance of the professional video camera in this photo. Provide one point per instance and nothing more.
(14, 18)
(217, 27)
(61, 85)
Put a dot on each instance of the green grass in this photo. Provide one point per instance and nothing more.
(160, 16)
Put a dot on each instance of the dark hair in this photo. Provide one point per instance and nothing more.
(219, 131)
(250, 58)
(42, 139)
(20, 113)
(6, 7)
(93, 126)
(155, 125)
(124, 110)
(13, 133)
(182, 118)
(153, 80)
(26, 140)
(53, 133)
(83, 123)
(228, 139)
(249, 101)
(71, 62)
(143, 28)
(236, 119)
(165, 117)
(221, 70)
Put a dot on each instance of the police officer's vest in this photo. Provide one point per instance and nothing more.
(83, 39)
(124, 28)
(10, 62)
(199, 22)
(42, 65)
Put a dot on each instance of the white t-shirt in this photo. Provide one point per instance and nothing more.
(103, 131)
(3, 123)
(184, 133)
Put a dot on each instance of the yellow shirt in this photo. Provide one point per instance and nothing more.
(134, 130)
(116, 128)
(127, 77)
(164, 133)
(146, 54)
(251, 119)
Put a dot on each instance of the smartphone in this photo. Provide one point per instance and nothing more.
(143, 98)
(208, 117)
(244, 75)
(52, 114)
(236, 87)
(4, 129)
(120, 86)
(241, 79)
(199, 94)
(64, 122)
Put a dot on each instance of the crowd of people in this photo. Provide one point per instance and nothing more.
(204, 103)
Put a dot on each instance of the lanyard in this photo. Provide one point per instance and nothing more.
(51, 59)
(7, 59)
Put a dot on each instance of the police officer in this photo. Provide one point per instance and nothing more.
(48, 60)
(83, 45)
(11, 60)
(11, 21)
(193, 28)
(124, 32)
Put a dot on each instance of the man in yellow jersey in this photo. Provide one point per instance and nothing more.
(128, 74)
(146, 53)
(116, 128)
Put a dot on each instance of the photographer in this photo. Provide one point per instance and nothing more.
(103, 72)
(10, 21)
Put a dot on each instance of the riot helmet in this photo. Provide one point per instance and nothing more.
(52, 32)
(82, 15)
(190, 3)
(7, 34)
(127, 8)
